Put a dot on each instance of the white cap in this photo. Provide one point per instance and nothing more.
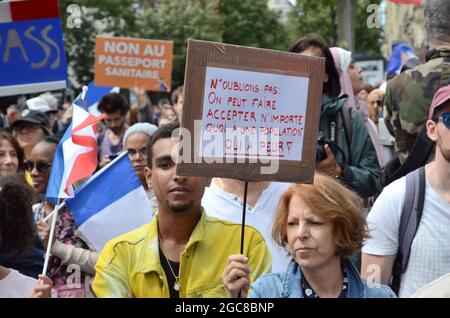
(51, 100)
(39, 104)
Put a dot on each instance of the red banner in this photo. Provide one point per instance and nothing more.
(414, 2)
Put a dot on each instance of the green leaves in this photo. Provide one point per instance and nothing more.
(241, 22)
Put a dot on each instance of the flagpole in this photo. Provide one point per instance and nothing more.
(52, 233)
(58, 207)
(244, 208)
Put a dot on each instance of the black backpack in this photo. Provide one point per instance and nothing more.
(409, 223)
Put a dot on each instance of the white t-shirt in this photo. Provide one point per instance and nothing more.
(16, 285)
(226, 206)
(430, 250)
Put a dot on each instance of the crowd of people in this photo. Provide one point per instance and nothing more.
(371, 225)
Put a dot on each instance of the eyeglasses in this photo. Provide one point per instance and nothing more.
(40, 166)
(142, 151)
(445, 118)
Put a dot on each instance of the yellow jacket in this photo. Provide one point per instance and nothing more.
(129, 265)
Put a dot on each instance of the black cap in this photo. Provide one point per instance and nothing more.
(33, 117)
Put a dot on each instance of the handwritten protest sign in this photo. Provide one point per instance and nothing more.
(32, 57)
(128, 63)
(247, 109)
(255, 105)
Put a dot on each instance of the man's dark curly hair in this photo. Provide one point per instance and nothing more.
(113, 102)
(17, 227)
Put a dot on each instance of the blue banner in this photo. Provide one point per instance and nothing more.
(32, 52)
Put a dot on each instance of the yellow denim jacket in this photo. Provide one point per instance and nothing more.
(129, 265)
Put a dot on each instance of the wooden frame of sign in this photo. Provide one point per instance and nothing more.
(210, 94)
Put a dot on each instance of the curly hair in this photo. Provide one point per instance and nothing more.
(17, 227)
(113, 102)
(331, 200)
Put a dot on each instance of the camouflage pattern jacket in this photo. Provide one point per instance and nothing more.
(408, 98)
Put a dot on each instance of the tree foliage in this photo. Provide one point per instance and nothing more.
(321, 16)
(251, 23)
(317, 16)
(110, 17)
(178, 21)
(241, 22)
(367, 40)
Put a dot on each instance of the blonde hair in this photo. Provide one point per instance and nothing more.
(332, 201)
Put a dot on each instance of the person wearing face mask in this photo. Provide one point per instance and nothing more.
(321, 226)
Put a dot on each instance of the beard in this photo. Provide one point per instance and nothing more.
(116, 130)
(445, 152)
(181, 206)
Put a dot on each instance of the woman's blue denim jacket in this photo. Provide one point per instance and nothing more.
(287, 285)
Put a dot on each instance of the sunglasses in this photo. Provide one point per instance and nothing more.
(40, 166)
(445, 118)
(26, 126)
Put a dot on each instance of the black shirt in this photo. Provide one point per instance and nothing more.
(170, 278)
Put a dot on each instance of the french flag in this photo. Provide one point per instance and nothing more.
(13, 11)
(111, 203)
(76, 155)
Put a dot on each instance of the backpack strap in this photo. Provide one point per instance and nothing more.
(409, 222)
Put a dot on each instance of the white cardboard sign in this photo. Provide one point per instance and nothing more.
(254, 115)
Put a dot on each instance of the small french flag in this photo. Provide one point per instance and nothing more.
(76, 155)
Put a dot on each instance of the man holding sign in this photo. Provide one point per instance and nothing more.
(182, 252)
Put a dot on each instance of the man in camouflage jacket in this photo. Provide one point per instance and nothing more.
(409, 94)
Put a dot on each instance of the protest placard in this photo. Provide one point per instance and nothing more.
(249, 110)
(31, 47)
(128, 63)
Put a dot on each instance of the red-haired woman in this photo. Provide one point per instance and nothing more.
(321, 225)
